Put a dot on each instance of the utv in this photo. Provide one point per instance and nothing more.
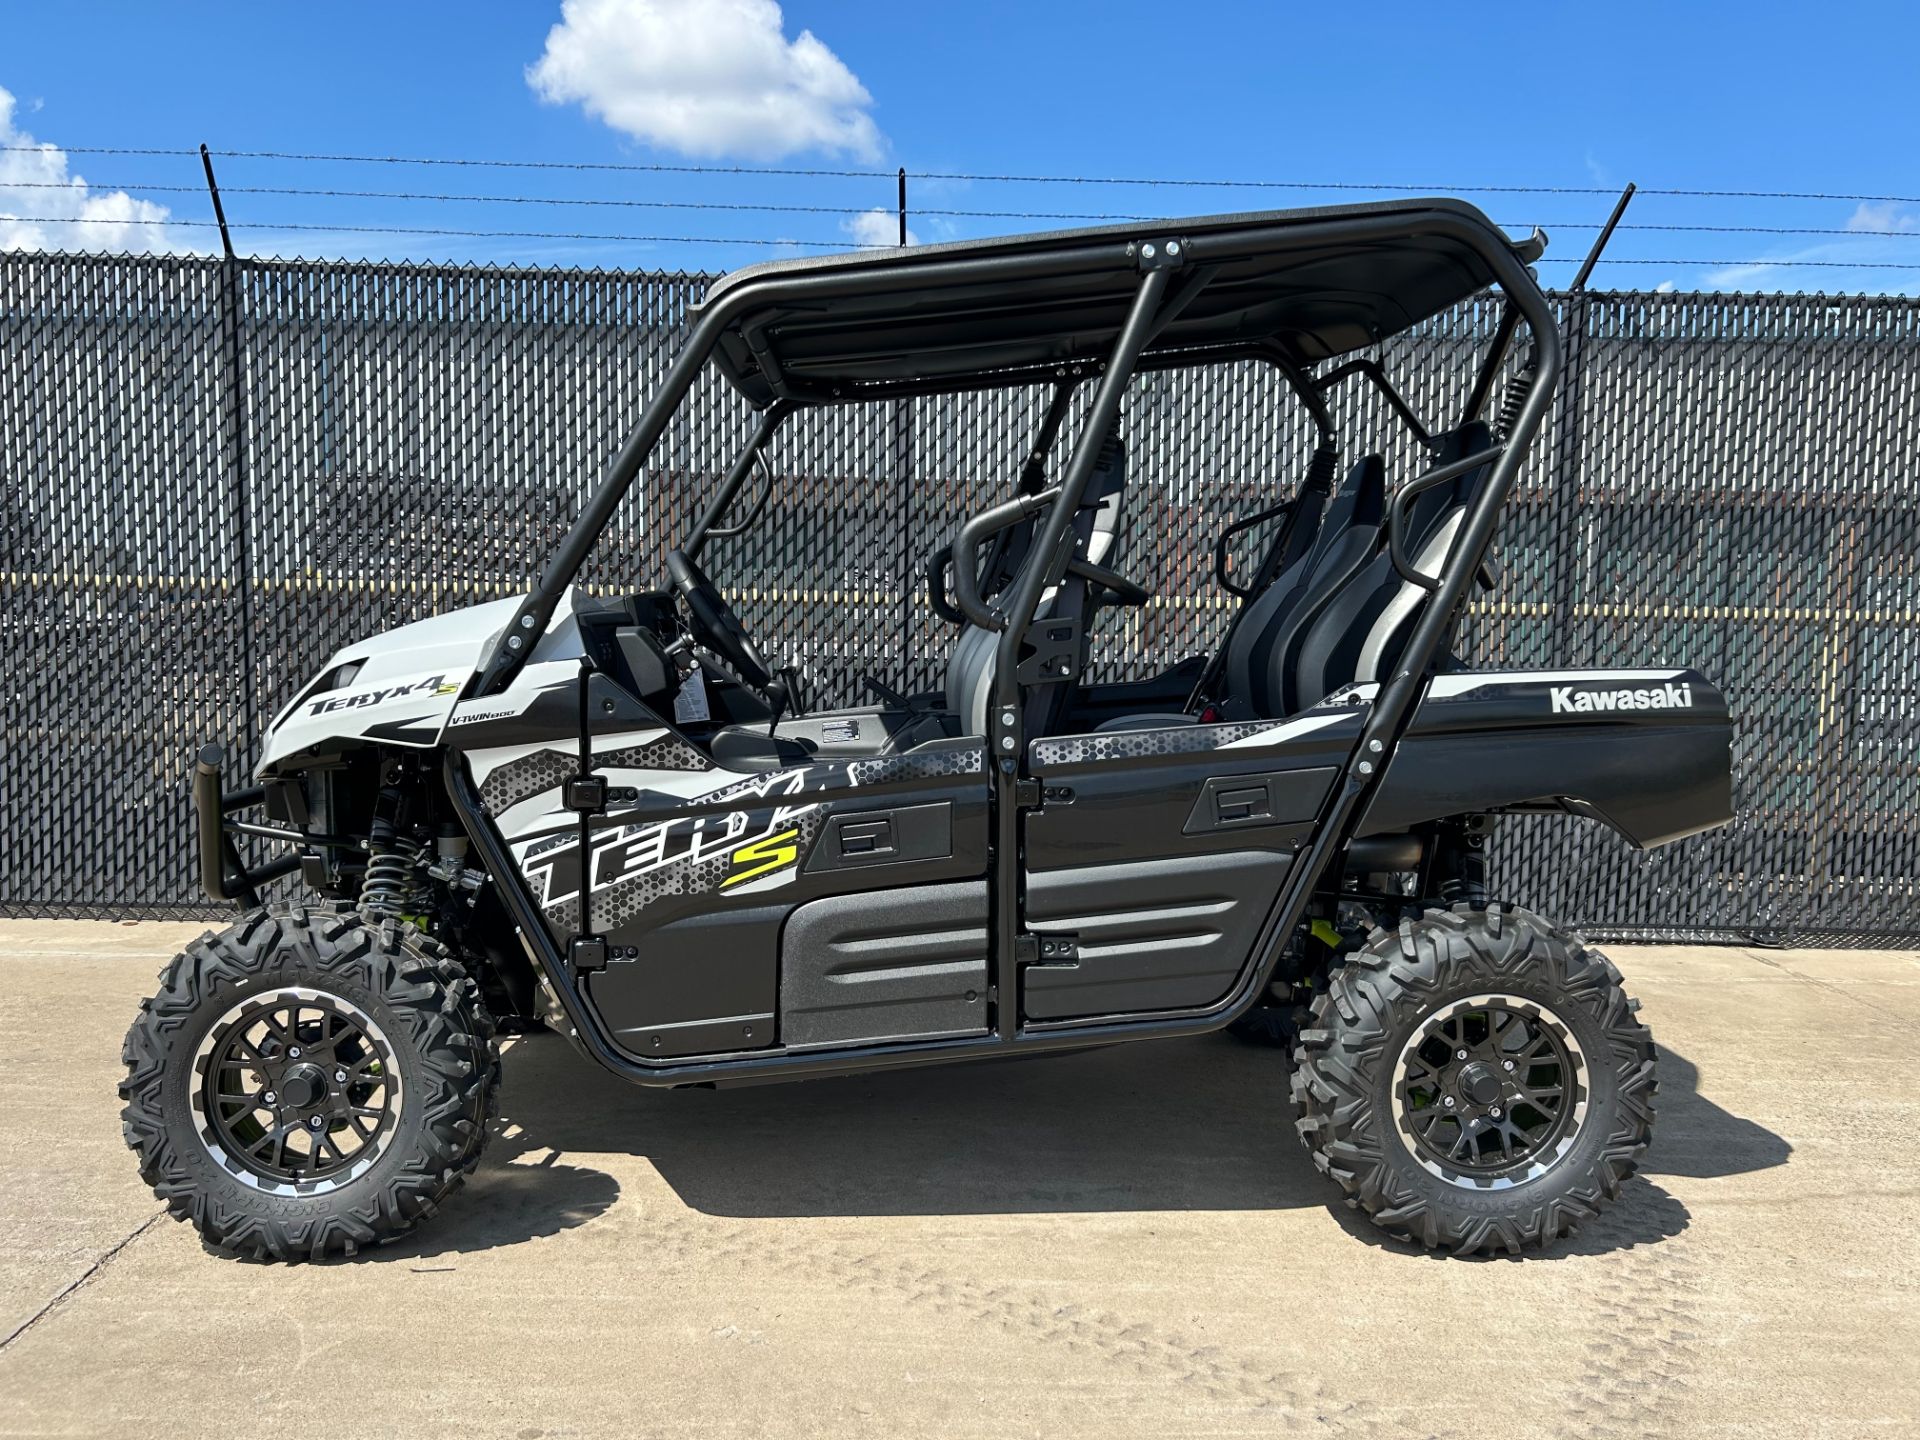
(617, 815)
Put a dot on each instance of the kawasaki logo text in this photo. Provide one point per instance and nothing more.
(1568, 701)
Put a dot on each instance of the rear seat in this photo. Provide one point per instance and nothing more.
(1343, 613)
(1283, 572)
(1349, 536)
(1358, 631)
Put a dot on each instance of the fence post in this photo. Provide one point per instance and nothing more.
(903, 447)
(230, 304)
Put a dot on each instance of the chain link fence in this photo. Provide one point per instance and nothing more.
(218, 473)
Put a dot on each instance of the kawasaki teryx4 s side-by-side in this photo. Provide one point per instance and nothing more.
(617, 816)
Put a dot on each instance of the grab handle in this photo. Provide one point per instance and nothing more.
(966, 553)
(1419, 485)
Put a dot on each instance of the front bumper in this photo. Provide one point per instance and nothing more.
(223, 874)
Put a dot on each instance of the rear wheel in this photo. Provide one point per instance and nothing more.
(309, 1082)
(1476, 1080)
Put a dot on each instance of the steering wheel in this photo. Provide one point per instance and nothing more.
(715, 625)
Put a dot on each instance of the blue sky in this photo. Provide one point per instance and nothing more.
(1763, 96)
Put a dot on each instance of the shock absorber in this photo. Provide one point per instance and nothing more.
(389, 890)
(393, 886)
(1463, 860)
(1517, 391)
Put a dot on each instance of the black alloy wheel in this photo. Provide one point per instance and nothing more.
(296, 1091)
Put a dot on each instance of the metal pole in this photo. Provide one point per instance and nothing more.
(236, 444)
(219, 210)
(1606, 234)
(903, 204)
(1490, 367)
(770, 420)
(1151, 311)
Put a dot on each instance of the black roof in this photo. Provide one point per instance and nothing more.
(1310, 282)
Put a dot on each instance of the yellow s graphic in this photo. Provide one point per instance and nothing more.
(764, 855)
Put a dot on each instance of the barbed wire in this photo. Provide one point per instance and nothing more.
(979, 177)
(336, 193)
(917, 211)
(439, 230)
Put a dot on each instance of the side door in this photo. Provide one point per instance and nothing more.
(838, 902)
(1155, 855)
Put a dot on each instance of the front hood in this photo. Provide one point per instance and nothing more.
(400, 686)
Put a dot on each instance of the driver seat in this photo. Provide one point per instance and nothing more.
(961, 709)
(1095, 534)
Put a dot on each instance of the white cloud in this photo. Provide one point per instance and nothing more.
(39, 199)
(1760, 276)
(1844, 265)
(877, 227)
(706, 78)
(1880, 219)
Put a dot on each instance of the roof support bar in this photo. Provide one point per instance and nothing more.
(1268, 351)
(1033, 474)
(1373, 370)
(1153, 308)
(736, 476)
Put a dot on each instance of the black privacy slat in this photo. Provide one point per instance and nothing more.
(214, 478)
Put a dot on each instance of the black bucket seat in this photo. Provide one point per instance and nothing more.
(961, 708)
(1351, 613)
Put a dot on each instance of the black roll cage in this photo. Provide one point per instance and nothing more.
(1065, 380)
(1172, 272)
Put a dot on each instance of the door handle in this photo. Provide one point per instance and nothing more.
(866, 837)
(1248, 803)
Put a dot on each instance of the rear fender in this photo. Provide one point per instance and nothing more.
(1647, 751)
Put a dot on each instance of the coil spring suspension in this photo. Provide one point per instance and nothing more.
(1463, 857)
(393, 886)
(1510, 403)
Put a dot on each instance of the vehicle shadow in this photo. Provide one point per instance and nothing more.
(503, 1203)
(1200, 1124)
(1695, 1137)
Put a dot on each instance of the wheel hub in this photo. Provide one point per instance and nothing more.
(1490, 1091)
(1479, 1084)
(302, 1085)
(295, 1091)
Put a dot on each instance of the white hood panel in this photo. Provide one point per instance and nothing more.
(408, 681)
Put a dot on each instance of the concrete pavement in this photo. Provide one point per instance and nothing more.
(1127, 1242)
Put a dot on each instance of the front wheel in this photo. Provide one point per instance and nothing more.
(308, 1082)
(1476, 1080)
